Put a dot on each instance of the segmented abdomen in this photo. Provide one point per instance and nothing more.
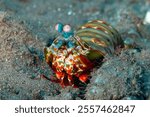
(100, 36)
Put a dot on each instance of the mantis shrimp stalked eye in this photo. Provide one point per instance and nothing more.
(73, 54)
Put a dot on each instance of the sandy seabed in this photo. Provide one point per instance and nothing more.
(27, 26)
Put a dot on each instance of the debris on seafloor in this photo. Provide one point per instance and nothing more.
(147, 18)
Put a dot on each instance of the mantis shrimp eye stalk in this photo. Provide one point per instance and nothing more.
(72, 55)
(59, 27)
(64, 31)
(67, 28)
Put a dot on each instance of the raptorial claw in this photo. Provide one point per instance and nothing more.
(83, 77)
(50, 79)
